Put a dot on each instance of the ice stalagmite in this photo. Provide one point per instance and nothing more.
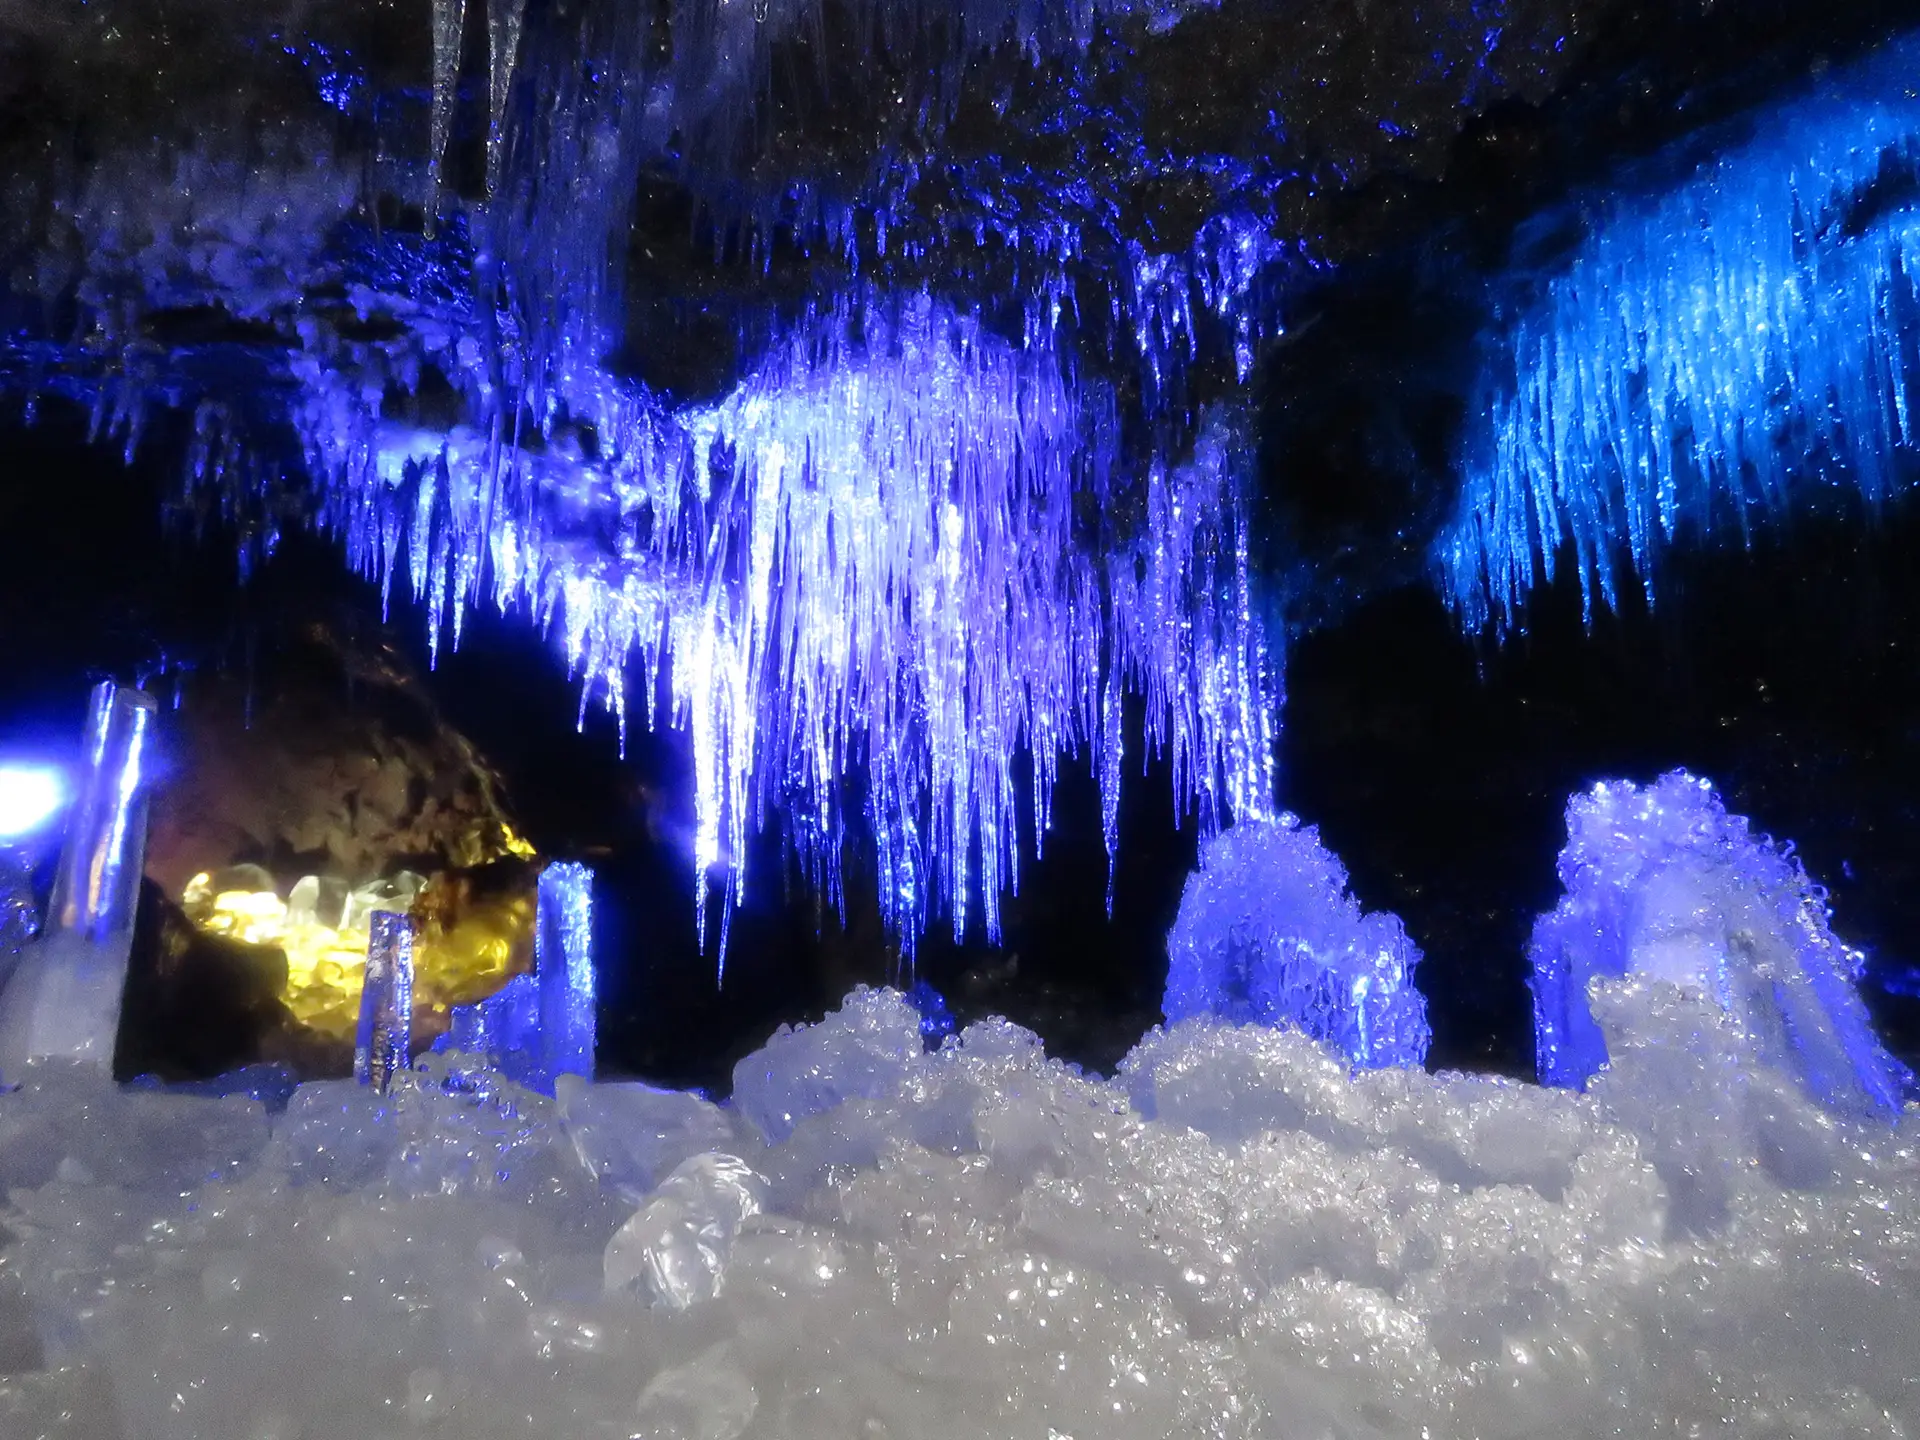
(381, 1050)
(1267, 934)
(63, 1000)
(563, 965)
(1663, 884)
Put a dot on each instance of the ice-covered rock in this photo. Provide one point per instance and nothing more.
(1268, 934)
(1662, 883)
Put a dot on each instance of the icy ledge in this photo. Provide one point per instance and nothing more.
(1237, 1237)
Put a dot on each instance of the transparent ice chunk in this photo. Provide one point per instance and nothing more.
(63, 998)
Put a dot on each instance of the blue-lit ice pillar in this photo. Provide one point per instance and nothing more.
(540, 1026)
(63, 1000)
(1662, 882)
(1705, 347)
(1267, 934)
(381, 1048)
(563, 965)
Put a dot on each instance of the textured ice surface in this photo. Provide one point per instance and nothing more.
(1239, 1237)
(1662, 882)
(1268, 933)
(1708, 344)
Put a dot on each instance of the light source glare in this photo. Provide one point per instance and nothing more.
(30, 797)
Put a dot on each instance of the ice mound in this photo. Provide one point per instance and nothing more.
(1661, 881)
(1267, 933)
(1239, 1237)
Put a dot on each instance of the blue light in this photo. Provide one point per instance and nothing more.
(30, 797)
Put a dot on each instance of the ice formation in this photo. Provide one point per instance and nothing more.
(62, 997)
(382, 1044)
(871, 562)
(1709, 349)
(1039, 504)
(1268, 934)
(1662, 882)
(539, 1027)
(1238, 1237)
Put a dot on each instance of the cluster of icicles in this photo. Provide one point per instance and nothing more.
(870, 583)
(1707, 346)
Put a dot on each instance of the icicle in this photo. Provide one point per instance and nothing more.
(449, 28)
(504, 18)
(1702, 350)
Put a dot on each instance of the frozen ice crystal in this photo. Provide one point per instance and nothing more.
(1661, 882)
(381, 1048)
(1705, 345)
(1267, 934)
(864, 559)
(98, 882)
(674, 1251)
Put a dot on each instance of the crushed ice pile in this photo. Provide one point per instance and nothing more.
(1268, 933)
(1238, 1236)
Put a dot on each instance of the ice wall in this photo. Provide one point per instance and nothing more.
(1267, 934)
(1713, 351)
(1238, 1238)
(1661, 882)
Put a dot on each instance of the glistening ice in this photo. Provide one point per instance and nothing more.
(1238, 1236)
(1728, 339)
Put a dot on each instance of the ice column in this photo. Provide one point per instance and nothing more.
(386, 1002)
(563, 966)
(63, 1000)
(1662, 882)
(540, 1026)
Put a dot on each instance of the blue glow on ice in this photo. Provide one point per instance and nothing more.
(1709, 352)
(1268, 935)
(539, 1027)
(30, 797)
(563, 966)
(886, 554)
(1662, 882)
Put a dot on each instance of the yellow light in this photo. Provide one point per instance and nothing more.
(465, 948)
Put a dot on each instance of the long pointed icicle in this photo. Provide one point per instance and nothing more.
(449, 25)
(504, 21)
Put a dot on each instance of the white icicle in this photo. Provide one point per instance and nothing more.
(449, 24)
(504, 20)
